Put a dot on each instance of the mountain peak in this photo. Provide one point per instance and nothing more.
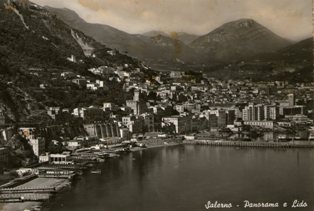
(239, 39)
(243, 23)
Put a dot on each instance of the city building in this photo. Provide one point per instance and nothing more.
(80, 81)
(253, 112)
(262, 124)
(182, 124)
(60, 159)
(222, 118)
(149, 122)
(292, 110)
(271, 112)
(4, 156)
(38, 144)
(93, 114)
(176, 74)
(212, 120)
(53, 112)
(125, 133)
(102, 130)
(78, 112)
(135, 124)
(2, 117)
(291, 99)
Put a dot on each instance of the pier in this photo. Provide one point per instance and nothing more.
(39, 189)
(27, 190)
(22, 197)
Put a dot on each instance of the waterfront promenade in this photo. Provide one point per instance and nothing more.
(252, 144)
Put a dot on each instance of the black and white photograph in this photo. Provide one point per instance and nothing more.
(156, 105)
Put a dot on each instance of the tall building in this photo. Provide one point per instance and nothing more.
(135, 124)
(38, 145)
(136, 104)
(271, 112)
(291, 99)
(222, 118)
(248, 113)
(212, 120)
(136, 96)
(260, 113)
(253, 112)
(149, 122)
(2, 117)
(231, 117)
(4, 156)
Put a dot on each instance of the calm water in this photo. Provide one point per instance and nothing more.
(186, 177)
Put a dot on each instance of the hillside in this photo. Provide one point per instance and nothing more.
(35, 48)
(293, 63)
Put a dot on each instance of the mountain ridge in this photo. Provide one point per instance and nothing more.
(232, 41)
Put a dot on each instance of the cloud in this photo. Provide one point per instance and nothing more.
(288, 18)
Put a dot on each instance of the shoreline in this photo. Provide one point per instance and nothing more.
(252, 144)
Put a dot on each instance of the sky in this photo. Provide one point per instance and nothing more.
(291, 19)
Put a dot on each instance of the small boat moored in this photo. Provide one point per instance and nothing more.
(96, 171)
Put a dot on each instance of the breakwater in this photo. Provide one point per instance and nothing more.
(252, 144)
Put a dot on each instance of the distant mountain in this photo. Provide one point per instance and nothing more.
(186, 38)
(105, 34)
(181, 36)
(293, 63)
(234, 41)
(302, 50)
(155, 33)
(294, 53)
(143, 47)
(239, 40)
(172, 48)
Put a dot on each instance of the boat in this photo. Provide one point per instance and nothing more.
(100, 160)
(90, 165)
(96, 171)
(113, 155)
